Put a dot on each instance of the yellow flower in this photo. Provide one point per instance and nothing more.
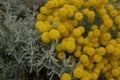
(63, 12)
(71, 39)
(108, 23)
(84, 59)
(49, 26)
(54, 34)
(85, 41)
(90, 51)
(106, 36)
(94, 76)
(94, 27)
(65, 76)
(61, 29)
(96, 70)
(61, 55)
(105, 16)
(102, 11)
(76, 32)
(101, 51)
(50, 18)
(91, 16)
(44, 10)
(100, 65)
(113, 42)
(103, 28)
(87, 4)
(90, 34)
(103, 42)
(70, 46)
(116, 51)
(92, 2)
(80, 40)
(113, 13)
(74, 22)
(70, 12)
(49, 4)
(85, 78)
(82, 29)
(77, 53)
(79, 65)
(78, 3)
(109, 7)
(110, 48)
(62, 2)
(85, 11)
(58, 47)
(41, 26)
(117, 20)
(97, 33)
(55, 3)
(97, 58)
(115, 72)
(40, 17)
(90, 67)
(78, 16)
(45, 37)
(78, 72)
(96, 45)
(64, 44)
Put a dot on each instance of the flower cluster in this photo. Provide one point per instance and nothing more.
(85, 32)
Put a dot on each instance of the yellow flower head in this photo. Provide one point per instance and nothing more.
(100, 65)
(78, 16)
(71, 39)
(80, 40)
(76, 32)
(61, 55)
(40, 17)
(54, 34)
(63, 12)
(55, 3)
(97, 58)
(97, 33)
(85, 11)
(91, 16)
(90, 51)
(106, 36)
(102, 11)
(110, 48)
(109, 7)
(61, 29)
(77, 53)
(45, 37)
(78, 72)
(70, 46)
(65, 76)
(84, 59)
(108, 23)
(113, 13)
(58, 47)
(117, 20)
(44, 10)
(78, 3)
(41, 26)
(101, 51)
(115, 72)
(82, 29)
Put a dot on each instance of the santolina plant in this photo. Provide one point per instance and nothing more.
(87, 33)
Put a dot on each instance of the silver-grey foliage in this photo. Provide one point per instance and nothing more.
(20, 46)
